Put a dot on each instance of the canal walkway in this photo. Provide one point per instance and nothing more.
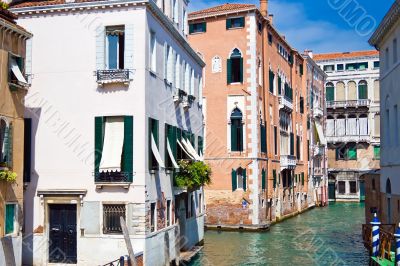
(322, 236)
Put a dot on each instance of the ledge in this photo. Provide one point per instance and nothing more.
(125, 185)
(62, 192)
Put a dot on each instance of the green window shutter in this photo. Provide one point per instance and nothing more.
(244, 180)
(167, 135)
(234, 137)
(330, 94)
(263, 179)
(178, 148)
(362, 92)
(279, 86)
(98, 142)
(242, 21)
(241, 70)
(352, 153)
(263, 138)
(10, 217)
(274, 178)
(204, 27)
(153, 129)
(377, 152)
(229, 71)
(191, 28)
(128, 147)
(234, 180)
(228, 23)
(302, 179)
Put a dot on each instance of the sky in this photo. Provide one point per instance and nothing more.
(322, 26)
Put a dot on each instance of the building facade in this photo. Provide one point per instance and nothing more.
(316, 125)
(385, 39)
(255, 117)
(13, 89)
(116, 90)
(353, 120)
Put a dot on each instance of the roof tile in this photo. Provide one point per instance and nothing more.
(332, 56)
(221, 8)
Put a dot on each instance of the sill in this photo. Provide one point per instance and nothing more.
(235, 83)
(100, 185)
(236, 28)
(18, 86)
(196, 33)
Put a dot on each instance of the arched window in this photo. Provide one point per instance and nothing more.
(239, 179)
(235, 67)
(363, 122)
(388, 187)
(351, 91)
(236, 130)
(362, 90)
(330, 92)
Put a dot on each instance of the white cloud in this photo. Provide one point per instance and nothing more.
(302, 32)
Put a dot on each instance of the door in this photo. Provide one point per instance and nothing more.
(62, 235)
(331, 188)
(362, 190)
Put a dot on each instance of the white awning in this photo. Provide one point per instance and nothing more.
(156, 153)
(113, 144)
(320, 133)
(190, 149)
(17, 72)
(187, 153)
(171, 155)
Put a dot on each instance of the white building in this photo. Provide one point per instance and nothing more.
(353, 119)
(113, 83)
(386, 39)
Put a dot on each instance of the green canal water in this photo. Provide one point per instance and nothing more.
(322, 236)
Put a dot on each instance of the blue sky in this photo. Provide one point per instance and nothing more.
(316, 25)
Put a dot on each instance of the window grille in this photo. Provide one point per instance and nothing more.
(111, 218)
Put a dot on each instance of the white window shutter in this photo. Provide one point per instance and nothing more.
(129, 46)
(28, 60)
(100, 49)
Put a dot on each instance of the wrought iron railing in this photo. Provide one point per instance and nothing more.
(113, 76)
(112, 214)
(118, 262)
(112, 177)
(350, 103)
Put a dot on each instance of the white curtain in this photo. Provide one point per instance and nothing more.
(171, 155)
(330, 127)
(113, 144)
(363, 126)
(352, 127)
(340, 127)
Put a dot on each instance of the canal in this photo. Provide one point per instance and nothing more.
(322, 236)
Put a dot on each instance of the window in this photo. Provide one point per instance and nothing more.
(362, 90)
(298, 147)
(394, 51)
(274, 178)
(341, 153)
(175, 11)
(271, 81)
(153, 216)
(263, 179)
(340, 67)
(232, 23)
(377, 152)
(376, 64)
(167, 61)
(330, 92)
(185, 20)
(236, 130)
(270, 38)
(352, 152)
(115, 47)
(276, 140)
(170, 146)
(352, 66)
(362, 66)
(263, 135)
(329, 68)
(16, 71)
(112, 214)
(153, 52)
(302, 105)
(197, 27)
(178, 70)
(10, 218)
(377, 122)
(239, 179)
(353, 187)
(113, 149)
(168, 220)
(342, 187)
(235, 67)
(154, 161)
(5, 143)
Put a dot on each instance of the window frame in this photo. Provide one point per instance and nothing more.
(121, 37)
(230, 23)
(344, 187)
(119, 232)
(153, 52)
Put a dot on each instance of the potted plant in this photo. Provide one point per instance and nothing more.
(8, 176)
(192, 174)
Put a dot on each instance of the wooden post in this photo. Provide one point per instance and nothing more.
(132, 258)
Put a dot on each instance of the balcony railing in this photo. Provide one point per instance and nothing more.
(113, 76)
(288, 162)
(112, 177)
(285, 103)
(346, 104)
(349, 138)
(318, 171)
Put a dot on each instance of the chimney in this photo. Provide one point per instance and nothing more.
(264, 8)
(271, 18)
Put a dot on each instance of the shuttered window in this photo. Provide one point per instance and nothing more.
(352, 152)
(235, 67)
(234, 180)
(362, 91)
(298, 147)
(377, 152)
(263, 181)
(153, 130)
(6, 143)
(276, 140)
(232, 23)
(263, 138)
(236, 130)
(10, 218)
(271, 81)
(170, 136)
(302, 179)
(291, 144)
(279, 86)
(115, 36)
(197, 27)
(330, 93)
(200, 148)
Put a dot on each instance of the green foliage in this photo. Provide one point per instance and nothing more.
(8, 176)
(192, 174)
(3, 5)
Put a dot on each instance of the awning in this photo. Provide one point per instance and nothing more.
(171, 155)
(113, 144)
(156, 153)
(17, 72)
(320, 133)
(187, 153)
(201, 156)
(190, 149)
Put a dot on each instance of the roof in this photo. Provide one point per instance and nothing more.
(21, 4)
(345, 55)
(388, 22)
(222, 9)
(9, 19)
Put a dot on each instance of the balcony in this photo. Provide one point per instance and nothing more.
(112, 179)
(318, 112)
(318, 171)
(288, 162)
(113, 76)
(347, 104)
(348, 138)
(285, 103)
